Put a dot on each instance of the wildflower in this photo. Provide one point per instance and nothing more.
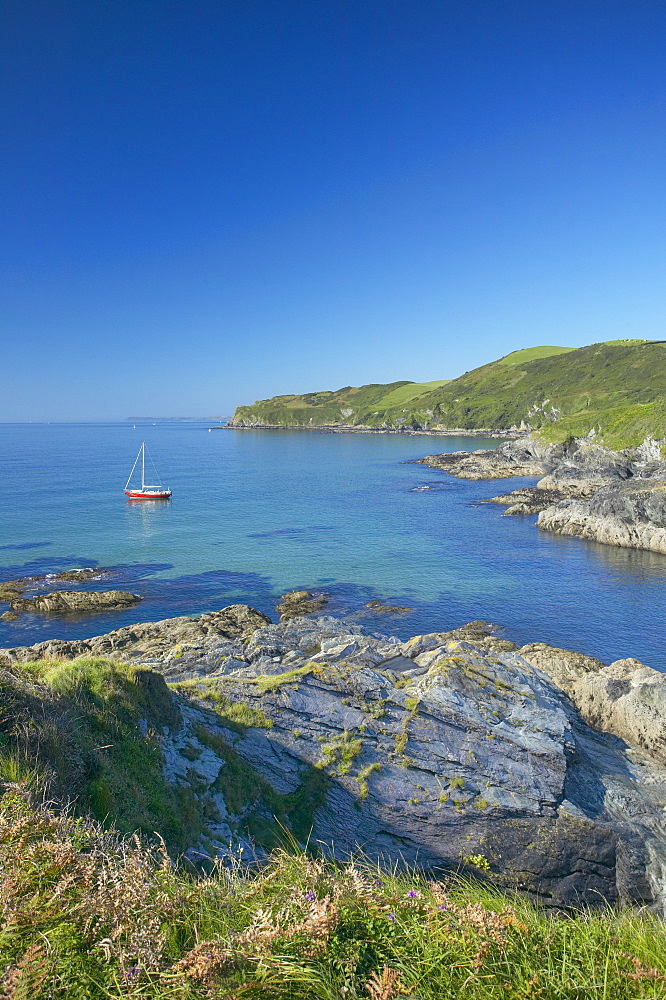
(412, 894)
(391, 917)
(310, 896)
(442, 906)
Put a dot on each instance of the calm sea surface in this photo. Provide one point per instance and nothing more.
(256, 513)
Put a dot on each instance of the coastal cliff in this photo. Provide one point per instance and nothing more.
(587, 491)
(616, 388)
(547, 764)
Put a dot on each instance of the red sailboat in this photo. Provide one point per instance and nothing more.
(145, 492)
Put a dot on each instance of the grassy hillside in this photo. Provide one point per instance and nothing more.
(76, 729)
(617, 387)
(532, 354)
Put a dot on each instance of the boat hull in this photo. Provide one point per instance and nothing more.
(157, 495)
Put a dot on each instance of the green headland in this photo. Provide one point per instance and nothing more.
(616, 388)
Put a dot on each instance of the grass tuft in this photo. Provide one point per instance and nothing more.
(92, 915)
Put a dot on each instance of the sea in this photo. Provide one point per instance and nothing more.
(257, 513)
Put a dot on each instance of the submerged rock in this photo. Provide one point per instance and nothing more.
(379, 608)
(13, 588)
(298, 603)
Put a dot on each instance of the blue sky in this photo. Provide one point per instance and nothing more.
(206, 203)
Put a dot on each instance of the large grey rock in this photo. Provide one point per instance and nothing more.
(588, 490)
(146, 641)
(625, 697)
(67, 602)
(523, 457)
(421, 752)
(629, 513)
(471, 751)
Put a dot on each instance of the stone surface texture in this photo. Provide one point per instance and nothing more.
(184, 637)
(67, 602)
(523, 457)
(298, 603)
(548, 763)
(588, 491)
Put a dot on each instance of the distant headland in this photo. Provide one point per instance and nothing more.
(616, 389)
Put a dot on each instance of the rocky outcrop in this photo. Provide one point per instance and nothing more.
(11, 589)
(427, 751)
(68, 602)
(618, 498)
(527, 500)
(524, 457)
(625, 697)
(298, 603)
(629, 513)
(174, 638)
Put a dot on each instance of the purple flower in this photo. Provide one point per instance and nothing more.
(442, 906)
(392, 917)
(412, 894)
(310, 896)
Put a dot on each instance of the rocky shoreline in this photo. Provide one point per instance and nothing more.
(585, 490)
(63, 602)
(484, 432)
(549, 764)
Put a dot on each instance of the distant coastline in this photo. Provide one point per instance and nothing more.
(486, 432)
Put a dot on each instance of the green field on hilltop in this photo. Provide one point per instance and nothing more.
(532, 353)
(617, 388)
(410, 391)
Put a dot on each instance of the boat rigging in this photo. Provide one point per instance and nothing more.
(145, 492)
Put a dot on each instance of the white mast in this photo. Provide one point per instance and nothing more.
(141, 452)
(143, 463)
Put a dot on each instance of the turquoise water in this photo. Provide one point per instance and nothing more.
(256, 513)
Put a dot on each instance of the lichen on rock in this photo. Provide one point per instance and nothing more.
(547, 763)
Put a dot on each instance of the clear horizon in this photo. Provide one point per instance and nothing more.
(207, 204)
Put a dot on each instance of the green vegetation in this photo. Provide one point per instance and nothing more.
(94, 915)
(265, 815)
(479, 861)
(236, 715)
(340, 753)
(617, 388)
(87, 729)
(90, 916)
(411, 391)
(363, 775)
(532, 354)
(269, 682)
